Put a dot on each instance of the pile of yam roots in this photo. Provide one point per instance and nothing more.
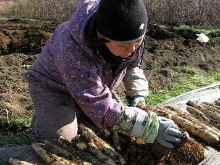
(201, 122)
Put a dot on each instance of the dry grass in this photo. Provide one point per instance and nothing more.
(39, 9)
(5, 6)
(174, 12)
(193, 12)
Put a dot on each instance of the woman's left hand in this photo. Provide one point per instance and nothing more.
(138, 100)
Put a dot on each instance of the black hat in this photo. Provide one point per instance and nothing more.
(121, 20)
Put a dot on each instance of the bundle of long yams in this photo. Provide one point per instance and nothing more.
(86, 149)
(201, 122)
(202, 119)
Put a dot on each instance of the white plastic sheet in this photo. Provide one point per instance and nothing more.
(202, 37)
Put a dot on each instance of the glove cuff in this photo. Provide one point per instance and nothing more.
(135, 82)
(136, 100)
(146, 126)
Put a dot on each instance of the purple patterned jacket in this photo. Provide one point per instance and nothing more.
(68, 65)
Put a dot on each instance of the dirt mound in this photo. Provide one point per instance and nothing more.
(23, 36)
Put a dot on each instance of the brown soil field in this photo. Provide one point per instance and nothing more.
(166, 48)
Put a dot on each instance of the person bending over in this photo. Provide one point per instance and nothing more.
(80, 67)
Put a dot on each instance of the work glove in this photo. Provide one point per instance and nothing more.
(138, 100)
(133, 121)
(168, 133)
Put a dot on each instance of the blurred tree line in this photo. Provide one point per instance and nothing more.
(171, 12)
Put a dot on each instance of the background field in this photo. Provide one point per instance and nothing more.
(174, 61)
(174, 12)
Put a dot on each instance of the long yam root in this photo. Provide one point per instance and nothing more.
(213, 106)
(56, 149)
(217, 102)
(212, 110)
(195, 129)
(197, 113)
(13, 161)
(99, 154)
(50, 159)
(105, 147)
(77, 151)
(209, 111)
(92, 148)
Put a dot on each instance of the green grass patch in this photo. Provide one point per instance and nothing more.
(15, 131)
(216, 75)
(184, 79)
(205, 30)
(12, 138)
(26, 122)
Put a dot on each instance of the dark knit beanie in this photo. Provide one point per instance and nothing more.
(121, 20)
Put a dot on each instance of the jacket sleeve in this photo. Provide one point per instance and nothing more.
(135, 81)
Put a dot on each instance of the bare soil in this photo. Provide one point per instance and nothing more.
(166, 48)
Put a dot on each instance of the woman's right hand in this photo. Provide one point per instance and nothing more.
(168, 133)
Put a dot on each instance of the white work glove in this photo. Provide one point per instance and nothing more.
(133, 121)
(138, 100)
(168, 133)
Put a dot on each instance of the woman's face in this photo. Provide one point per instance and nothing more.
(121, 49)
